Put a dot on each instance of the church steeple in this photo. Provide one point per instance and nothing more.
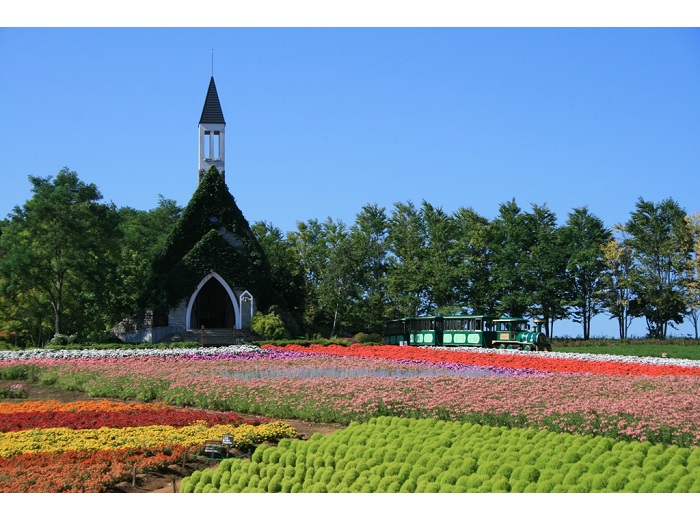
(211, 133)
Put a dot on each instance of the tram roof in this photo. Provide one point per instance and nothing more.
(465, 316)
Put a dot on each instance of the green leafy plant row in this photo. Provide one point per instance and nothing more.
(573, 342)
(678, 350)
(390, 454)
(119, 346)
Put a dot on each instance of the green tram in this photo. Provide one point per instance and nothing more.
(467, 330)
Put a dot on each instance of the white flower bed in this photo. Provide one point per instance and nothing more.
(128, 352)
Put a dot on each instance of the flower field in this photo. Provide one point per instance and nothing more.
(91, 446)
(649, 400)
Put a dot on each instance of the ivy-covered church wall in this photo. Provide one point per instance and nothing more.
(199, 245)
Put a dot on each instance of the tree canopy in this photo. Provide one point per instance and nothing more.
(73, 264)
(57, 252)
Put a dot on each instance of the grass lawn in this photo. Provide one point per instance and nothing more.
(681, 349)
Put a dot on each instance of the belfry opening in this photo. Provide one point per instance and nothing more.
(212, 307)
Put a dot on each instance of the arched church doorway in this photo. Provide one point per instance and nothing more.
(212, 308)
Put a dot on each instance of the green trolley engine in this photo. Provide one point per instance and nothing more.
(514, 333)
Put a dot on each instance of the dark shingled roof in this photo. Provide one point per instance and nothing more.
(212, 114)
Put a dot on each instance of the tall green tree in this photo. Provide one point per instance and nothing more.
(617, 294)
(661, 243)
(584, 235)
(60, 248)
(441, 266)
(475, 247)
(693, 289)
(546, 284)
(423, 262)
(369, 243)
(512, 239)
(308, 244)
(408, 252)
(338, 289)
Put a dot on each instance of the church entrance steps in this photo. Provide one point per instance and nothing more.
(213, 336)
(219, 336)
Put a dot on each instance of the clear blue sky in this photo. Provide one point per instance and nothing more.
(321, 121)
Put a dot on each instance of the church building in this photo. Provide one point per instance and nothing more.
(212, 275)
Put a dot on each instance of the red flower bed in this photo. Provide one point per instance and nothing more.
(13, 422)
(534, 362)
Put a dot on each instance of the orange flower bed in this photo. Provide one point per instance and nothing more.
(77, 406)
(81, 470)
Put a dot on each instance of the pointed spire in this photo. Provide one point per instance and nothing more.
(211, 113)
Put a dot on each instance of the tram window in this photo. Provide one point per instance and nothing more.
(395, 327)
(454, 324)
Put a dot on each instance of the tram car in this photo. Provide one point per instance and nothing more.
(467, 330)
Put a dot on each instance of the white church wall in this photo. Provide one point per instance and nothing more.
(177, 317)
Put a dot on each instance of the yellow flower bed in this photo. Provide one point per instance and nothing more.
(62, 439)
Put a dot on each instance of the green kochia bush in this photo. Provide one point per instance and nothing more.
(390, 454)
